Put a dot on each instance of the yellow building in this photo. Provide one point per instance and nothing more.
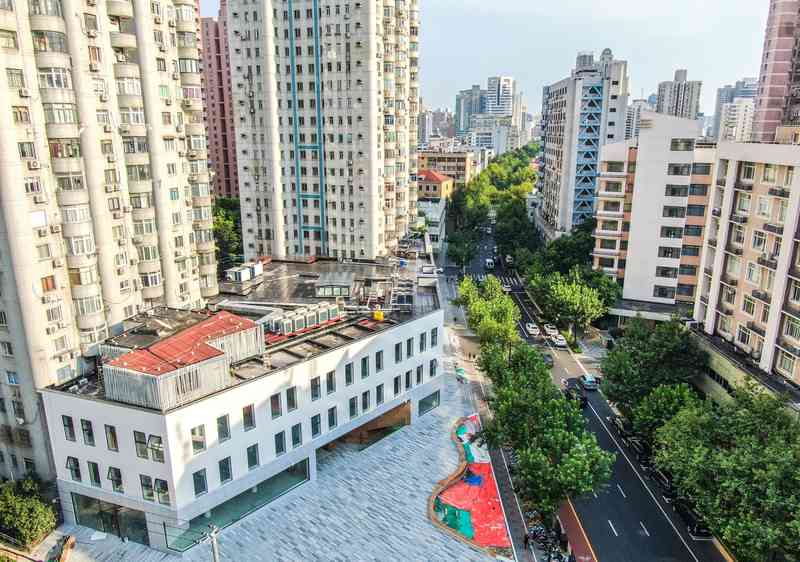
(433, 185)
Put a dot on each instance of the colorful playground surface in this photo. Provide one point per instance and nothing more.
(468, 503)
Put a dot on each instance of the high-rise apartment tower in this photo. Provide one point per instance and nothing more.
(679, 97)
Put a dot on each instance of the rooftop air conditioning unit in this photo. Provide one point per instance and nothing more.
(55, 228)
(24, 93)
(34, 165)
(39, 199)
(108, 128)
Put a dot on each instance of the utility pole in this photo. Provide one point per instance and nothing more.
(211, 536)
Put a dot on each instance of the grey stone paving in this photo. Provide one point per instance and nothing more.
(365, 506)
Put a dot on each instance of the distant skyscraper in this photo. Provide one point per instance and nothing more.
(500, 95)
(468, 103)
(777, 63)
(679, 97)
(327, 133)
(425, 126)
(736, 120)
(579, 115)
(633, 117)
(744, 88)
(219, 106)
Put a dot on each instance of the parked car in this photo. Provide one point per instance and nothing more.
(695, 526)
(573, 392)
(664, 481)
(548, 359)
(532, 329)
(622, 426)
(642, 451)
(588, 381)
(559, 340)
(550, 330)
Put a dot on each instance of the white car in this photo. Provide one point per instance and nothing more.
(559, 340)
(533, 330)
(550, 330)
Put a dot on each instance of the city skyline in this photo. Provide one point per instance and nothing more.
(572, 26)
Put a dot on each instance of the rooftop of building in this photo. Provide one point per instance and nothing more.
(432, 208)
(433, 176)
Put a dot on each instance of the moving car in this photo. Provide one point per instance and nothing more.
(559, 341)
(533, 330)
(550, 330)
(588, 382)
(489, 264)
(694, 524)
(573, 392)
(548, 359)
(622, 426)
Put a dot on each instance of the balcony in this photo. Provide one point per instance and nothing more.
(774, 228)
(743, 186)
(779, 192)
(611, 194)
(735, 250)
(739, 219)
(709, 271)
(770, 261)
(753, 327)
(730, 281)
(763, 296)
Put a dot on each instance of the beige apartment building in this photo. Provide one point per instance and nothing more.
(749, 300)
(105, 208)
(651, 212)
(458, 165)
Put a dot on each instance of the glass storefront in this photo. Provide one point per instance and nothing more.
(110, 518)
(428, 403)
(239, 506)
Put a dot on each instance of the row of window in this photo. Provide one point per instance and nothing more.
(152, 488)
(146, 446)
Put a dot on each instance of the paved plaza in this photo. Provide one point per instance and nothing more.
(366, 505)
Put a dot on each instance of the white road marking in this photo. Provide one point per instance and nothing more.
(610, 524)
(621, 492)
(646, 532)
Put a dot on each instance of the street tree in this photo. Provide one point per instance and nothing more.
(462, 248)
(568, 300)
(660, 406)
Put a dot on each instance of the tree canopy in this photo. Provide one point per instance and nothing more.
(227, 232)
(490, 312)
(567, 299)
(660, 406)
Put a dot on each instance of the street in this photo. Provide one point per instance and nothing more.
(628, 520)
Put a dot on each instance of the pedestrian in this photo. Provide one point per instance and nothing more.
(527, 541)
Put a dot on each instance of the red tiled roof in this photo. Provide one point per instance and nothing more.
(434, 176)
(184, 348)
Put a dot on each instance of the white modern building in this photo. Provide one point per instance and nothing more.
(651, 212)
(105, 207)
(744, 88)
(203, 417)
(736, 120)
(326, 103)
(501, 95)
(679, 97)
(580, 114)
(633, 117)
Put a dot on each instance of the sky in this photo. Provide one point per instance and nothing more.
(536, 41)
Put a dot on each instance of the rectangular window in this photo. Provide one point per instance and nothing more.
(69, 428)
(408, 380)
(676, 190)
(162, 491)
(248, 417)
(252, 456)
(291, 399)
(147, 488)
(330, 382)
(365, 401)
(429, 403)
(225, 472)
(791, 328)
(198, 439)
(679, 169)
(316, 425)
(379, 361)
(140, 442)
(749, 305)
(397, 385)
(94, 474)
(681, 145)
(111, 438)
(699, 188)
(364, 367)
(353, 406)
(156, 446)
(200, 482)
(115, 476)
(398, 352)
(348, 374)
(434, 337)
(74, 468)
(275, 405)
(332, 417)
(420, 371)
(280, 443)
(88, 432)
(432, 367)
(316, 389)
(223, 428)
(409, 348)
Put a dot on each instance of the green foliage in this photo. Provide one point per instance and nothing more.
(24, 515)
(647, 357)
(567, 299)
(565, 253)
(227, 231)
(490, 312)
(738, 462)
(558, 457)
(660, 406)
(462, 248)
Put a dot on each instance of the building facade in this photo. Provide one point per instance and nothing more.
(326, 125)
(502, 96)
(633, 117)
(468, 103)
(216, 414)
(736, 120)
(433, 185)
(651, 213)
(744, 88)
(105, 201)
(579, 115)
(750, 294)
(459, 166)
(777, 63)
(679, 97)
(219, 106)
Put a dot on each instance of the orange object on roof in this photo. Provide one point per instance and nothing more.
(433, 176)
(483, 503)
(187, 347)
